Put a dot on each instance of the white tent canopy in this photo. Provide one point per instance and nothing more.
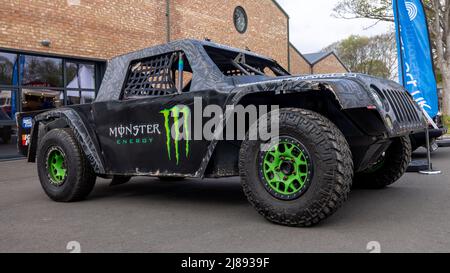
(84, 79)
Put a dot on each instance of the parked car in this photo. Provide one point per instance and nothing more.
(335, 130)
(6, 123)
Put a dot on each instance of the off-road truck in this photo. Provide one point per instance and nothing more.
(333, 130)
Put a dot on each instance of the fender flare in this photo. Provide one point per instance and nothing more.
(237, 96)
(83, 134)
(343, 100)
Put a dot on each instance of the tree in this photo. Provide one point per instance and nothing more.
(369, 55)
(438, 12)
(440, 30)
(380, 10)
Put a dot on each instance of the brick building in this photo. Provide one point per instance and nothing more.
(315, 63)
(54, 53)
(104, 29)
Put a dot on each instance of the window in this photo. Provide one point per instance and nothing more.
(236, 64)
(240, 19)
(30, 82)
(187, 80)
(42, 72)
(80, 76)
(41, 99)
(158, 76)
(8, 68)
(80, 83)
(87, 97)
(73, 97)
(7, 105)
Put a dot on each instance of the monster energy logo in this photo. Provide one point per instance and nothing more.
(181, 119)
(132, 134)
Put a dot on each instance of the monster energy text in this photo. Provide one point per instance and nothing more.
(134, 134)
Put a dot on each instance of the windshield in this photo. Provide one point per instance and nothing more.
(236, 64)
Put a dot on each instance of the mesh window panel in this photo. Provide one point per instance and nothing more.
(151, 77)
(237, 72)
(234, 72)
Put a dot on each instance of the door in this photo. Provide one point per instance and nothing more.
(149, 131)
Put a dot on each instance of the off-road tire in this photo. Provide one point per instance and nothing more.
(396, 162)
(331, 181)
(414, 145)
(80, 177)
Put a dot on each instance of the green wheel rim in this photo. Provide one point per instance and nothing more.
(56, 166)
(376, 167)
(286, 169)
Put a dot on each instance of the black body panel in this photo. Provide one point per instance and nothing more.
(129, 137)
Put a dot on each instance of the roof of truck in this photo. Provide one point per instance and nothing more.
(201, 43)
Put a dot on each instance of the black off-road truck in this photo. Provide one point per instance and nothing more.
(335, 130)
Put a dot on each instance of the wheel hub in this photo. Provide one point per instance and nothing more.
(56, 166)
(286, 169)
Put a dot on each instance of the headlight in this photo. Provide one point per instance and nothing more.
(389, 122)
(377, 97)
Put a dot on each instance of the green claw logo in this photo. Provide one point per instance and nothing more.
(176, 112)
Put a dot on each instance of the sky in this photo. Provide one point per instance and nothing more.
(312, 26)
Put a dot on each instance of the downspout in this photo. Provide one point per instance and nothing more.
(288, 45)
(168, 34)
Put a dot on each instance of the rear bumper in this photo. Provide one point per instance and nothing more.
(24, 130)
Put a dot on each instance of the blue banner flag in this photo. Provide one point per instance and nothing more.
(416, 70)
(20, 62)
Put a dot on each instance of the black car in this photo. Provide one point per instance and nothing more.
(334, 130)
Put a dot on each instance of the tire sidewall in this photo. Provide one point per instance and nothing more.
(290, 127)
(59, 138)
(396, 162)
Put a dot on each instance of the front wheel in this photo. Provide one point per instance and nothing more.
(64, 172)
(301, 178)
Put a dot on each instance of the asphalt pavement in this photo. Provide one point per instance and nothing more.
(147, 215)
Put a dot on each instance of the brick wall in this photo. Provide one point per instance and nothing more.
(266, 32)
(329, 65)
(103, 29)
(95, 28)
(298, 64)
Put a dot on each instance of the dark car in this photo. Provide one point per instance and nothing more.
(6, 123)
(334, 130)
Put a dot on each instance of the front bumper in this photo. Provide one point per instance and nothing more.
(420, 138)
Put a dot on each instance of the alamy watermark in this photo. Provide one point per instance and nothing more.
(214, 122)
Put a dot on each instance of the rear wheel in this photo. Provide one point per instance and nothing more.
(389, 169)
(64, 172)
(304, 176)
